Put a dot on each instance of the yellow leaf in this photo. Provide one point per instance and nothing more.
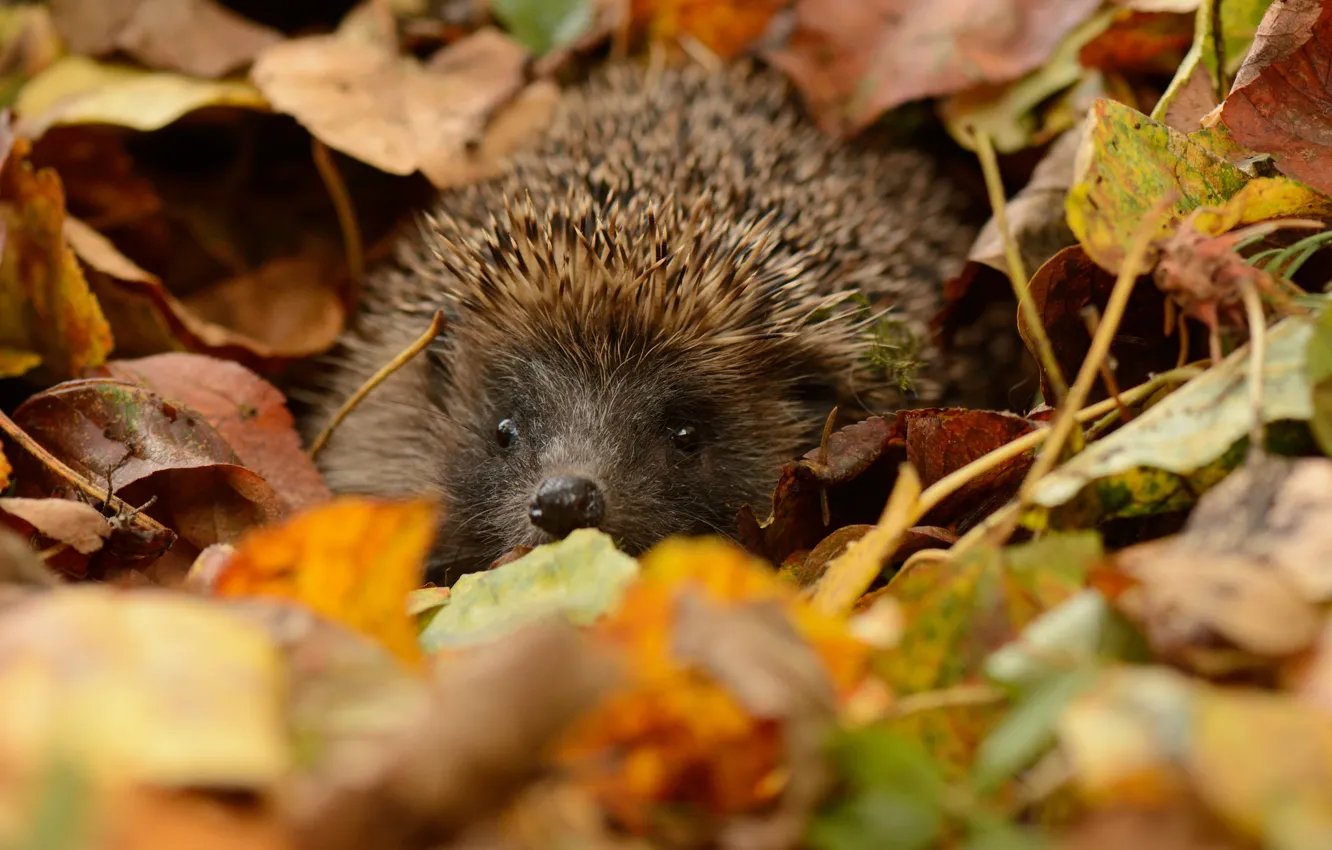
(352, 560)
(77, 90)
(14, 363)
(5, 471)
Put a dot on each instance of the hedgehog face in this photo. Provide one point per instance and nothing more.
(648, 447)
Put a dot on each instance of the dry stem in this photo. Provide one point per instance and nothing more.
(1066, 418)
(1017, 275)
(436, 325)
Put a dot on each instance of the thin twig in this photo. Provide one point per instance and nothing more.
(1017, 274)
(342, 204)
(140, 521)
(851, 573)
(1092, 318)
(1066, 418)
(945, 486)
(436, 325)
(824, 508)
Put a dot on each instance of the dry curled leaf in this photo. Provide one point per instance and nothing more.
(288, 308)
(1281, 99)
(454, 119)
(76, 524)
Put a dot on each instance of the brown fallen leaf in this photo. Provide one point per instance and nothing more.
(1281, 100)
(1247, 572)
(1069, 283)
(145, 447)
(860, 469)
(288, 307)
(197, 37)
(77, 524)
(249, 413)
(454, 118)
(46, 309)
(852, 59)
(292, 304)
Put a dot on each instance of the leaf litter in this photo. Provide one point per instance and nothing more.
(935, 635)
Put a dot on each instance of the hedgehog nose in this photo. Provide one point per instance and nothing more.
(565, 502)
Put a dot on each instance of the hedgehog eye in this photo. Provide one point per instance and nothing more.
(506, 433)
(685, 438)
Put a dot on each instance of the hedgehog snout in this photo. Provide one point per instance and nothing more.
(563, 503)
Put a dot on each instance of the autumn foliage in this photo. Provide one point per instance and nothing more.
(1097, 619)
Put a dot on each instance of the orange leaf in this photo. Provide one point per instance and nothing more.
(352, 560)
(726, 27)
(677, 734)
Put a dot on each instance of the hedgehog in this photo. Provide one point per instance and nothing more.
(647, 314)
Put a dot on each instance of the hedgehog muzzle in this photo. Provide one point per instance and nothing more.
(565, 502)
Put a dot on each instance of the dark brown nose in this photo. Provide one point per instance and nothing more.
(565, 502)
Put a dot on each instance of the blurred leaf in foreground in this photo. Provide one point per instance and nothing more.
(733, 683)
(144, 687)
(352, 560)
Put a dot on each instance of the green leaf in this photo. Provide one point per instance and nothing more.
(894, 796)
(1186, 443)
(991, 833)
(1320, 381)
(1127, 164)
(543, 25)
(877, 818)
(581, 577)
(1029, 728)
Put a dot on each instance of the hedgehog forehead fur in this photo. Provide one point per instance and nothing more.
(610, 284)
